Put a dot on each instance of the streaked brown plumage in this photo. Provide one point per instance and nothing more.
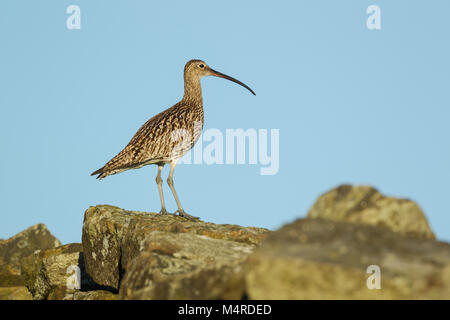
(166, 137)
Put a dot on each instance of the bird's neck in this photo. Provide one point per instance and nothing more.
(193, 91)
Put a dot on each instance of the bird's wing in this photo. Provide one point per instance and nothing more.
(152, 143)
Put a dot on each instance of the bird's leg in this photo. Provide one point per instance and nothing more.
(170, 183)
(161, 196)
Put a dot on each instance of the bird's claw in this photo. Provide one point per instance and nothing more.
(183, 214)
(164, 211)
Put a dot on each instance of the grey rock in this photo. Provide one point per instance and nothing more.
(186, 266)
(56, 273)
(92, 295)
(15, 293)
(364, 204)
(23, 244)
(112, 238)
(323, 259)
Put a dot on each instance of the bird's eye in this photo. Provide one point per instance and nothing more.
(202, 66)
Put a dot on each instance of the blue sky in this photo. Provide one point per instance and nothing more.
(352, 105)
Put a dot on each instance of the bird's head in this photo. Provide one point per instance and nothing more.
(196, 69)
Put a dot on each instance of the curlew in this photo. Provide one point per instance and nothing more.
(169, 135)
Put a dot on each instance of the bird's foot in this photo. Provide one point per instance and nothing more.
(183, 214)
(164, 211)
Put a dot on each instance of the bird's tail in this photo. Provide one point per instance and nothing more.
(99, 172)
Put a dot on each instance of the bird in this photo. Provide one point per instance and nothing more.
(169, 135)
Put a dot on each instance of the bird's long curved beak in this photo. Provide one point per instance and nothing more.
(221, 75)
